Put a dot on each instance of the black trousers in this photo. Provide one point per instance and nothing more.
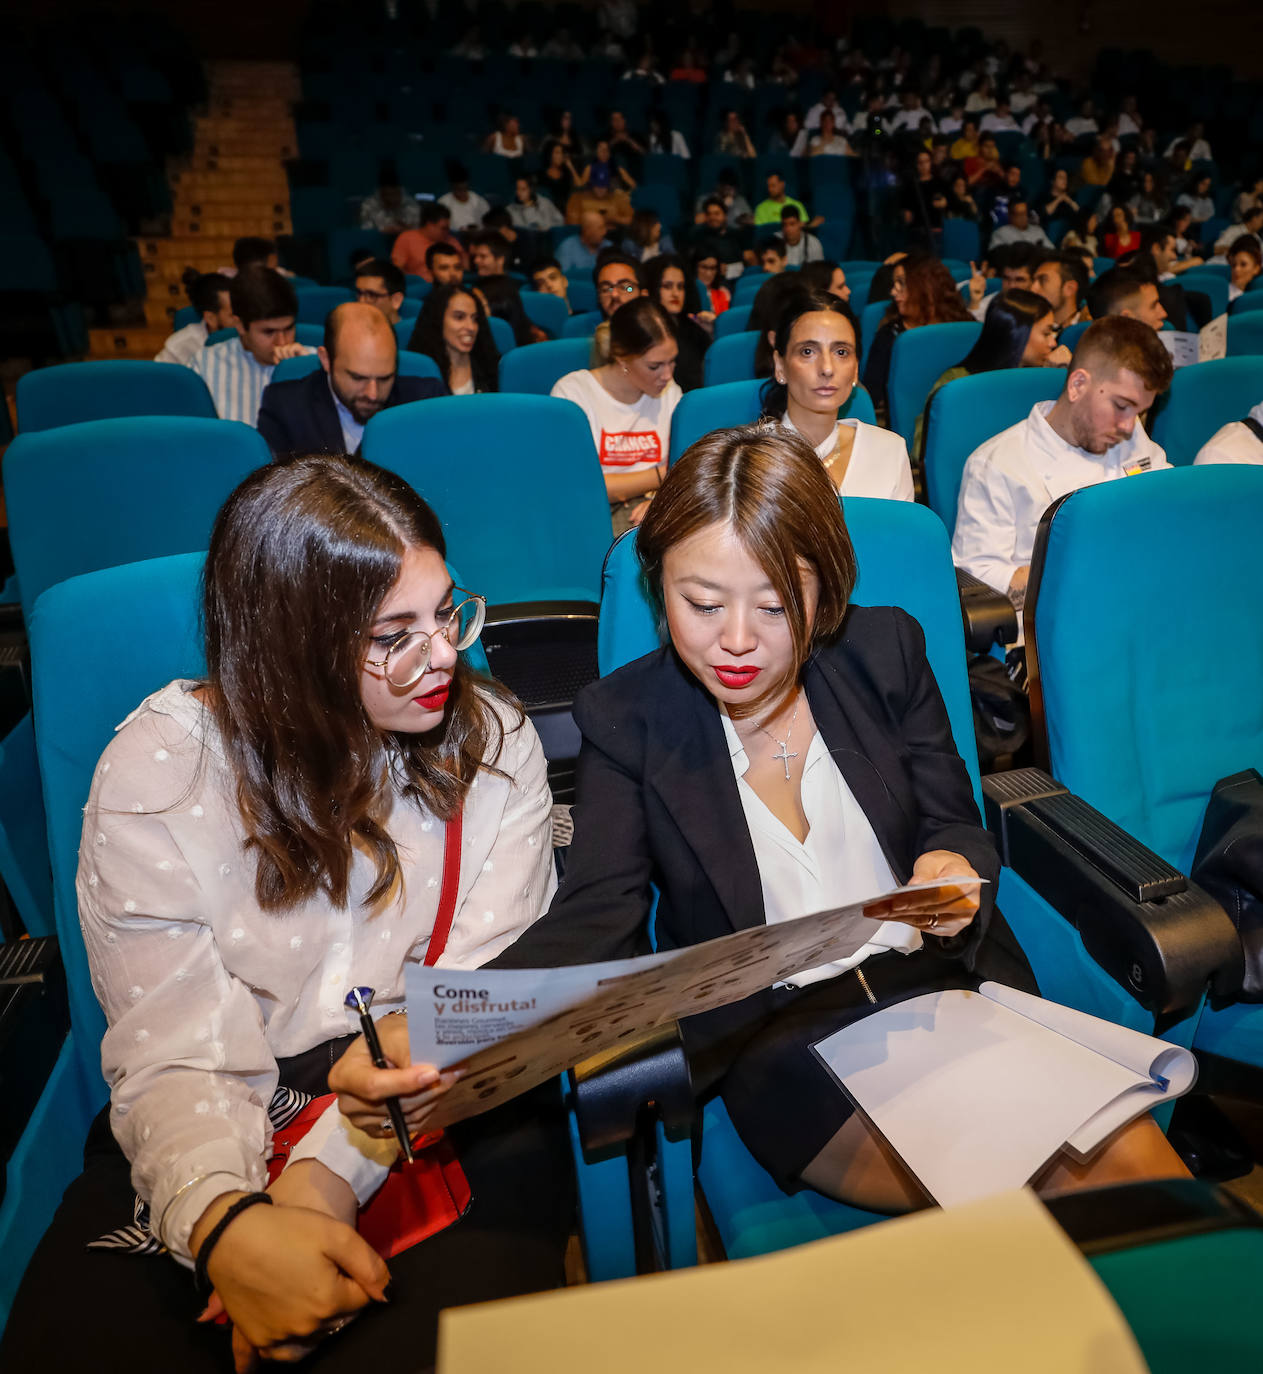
(108, 1311)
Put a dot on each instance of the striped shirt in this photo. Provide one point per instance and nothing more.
(235, 379)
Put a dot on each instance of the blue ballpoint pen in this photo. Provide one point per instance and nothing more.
(360, 1000)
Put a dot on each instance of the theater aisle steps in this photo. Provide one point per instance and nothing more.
(232, 184)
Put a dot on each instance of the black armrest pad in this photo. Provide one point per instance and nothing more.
(543, 651)
(1127, 1215)
(988, 615)
(1155, 933)
(611, 1091)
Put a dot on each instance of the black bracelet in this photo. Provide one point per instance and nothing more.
(201, 1279)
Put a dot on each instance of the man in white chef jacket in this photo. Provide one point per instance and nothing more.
(1091, 433)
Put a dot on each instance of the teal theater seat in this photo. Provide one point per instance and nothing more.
(315, 302)
(1146, 735)
(739, 403)
(734, 320)
(537, 369)
(966, 413)
(918, 359)
(547, 311)
(50, 397)
(1202, 399)
(731, 359)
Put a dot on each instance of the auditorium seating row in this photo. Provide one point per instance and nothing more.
(1095, 943)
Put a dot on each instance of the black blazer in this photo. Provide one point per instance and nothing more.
(658, 803)
(299, 416)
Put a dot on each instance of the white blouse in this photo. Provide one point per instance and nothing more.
(839, 862)
(204, 991)
(879, 463)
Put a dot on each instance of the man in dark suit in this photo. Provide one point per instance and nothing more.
(326, 411)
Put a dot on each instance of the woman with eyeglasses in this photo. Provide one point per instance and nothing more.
(255, 844)
(629, 401)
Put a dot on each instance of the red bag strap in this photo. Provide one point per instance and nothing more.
(447, 897)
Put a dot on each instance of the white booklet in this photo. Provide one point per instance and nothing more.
(976, 1091)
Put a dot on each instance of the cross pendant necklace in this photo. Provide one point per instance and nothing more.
(785, 754)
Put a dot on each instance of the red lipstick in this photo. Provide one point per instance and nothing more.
(435, 699)
(732, 676)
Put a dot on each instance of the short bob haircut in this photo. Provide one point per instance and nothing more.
(766, 484)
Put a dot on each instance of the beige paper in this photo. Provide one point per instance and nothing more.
(991, 1287)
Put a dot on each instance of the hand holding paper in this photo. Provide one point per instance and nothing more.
(937, 908)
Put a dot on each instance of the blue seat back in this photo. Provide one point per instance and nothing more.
(1072, 333)
(969, 411)
(535, 370)
(870, 320)
(74, 392)
(1247, 304)
(904, 560)
(315, 302)
(1210, 284)
(410, 365)
(919, 359)
(152, 609)
(739, 403)
(1245, 334)
(582, 325)
(1202, 399)
(108, 492)
(1145, 734)
(547, 311)
(502, 333)
(527, 541)
(581, 293)
(747, 287)
(734, 320)
(731, 359)
(185, 316)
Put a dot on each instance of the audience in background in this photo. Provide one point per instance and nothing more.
(530, 210)
(547, 276)
(815, 370)
(629, 401)
(800, 246)
(452, 329)
(236, 371)
(668, 282)
(1245, 264)
(923, 293)
(358, 376)
(466, 207)
(209, 294)
(380, 284)
(577, 254)
(390, 209)
(1062, 280)
(409, 250)
(1091, 433)
(1126, 291)
(488, 253)
(709, 272)
(445, 264)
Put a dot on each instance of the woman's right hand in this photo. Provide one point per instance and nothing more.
(362, 1089)
(285, 1276)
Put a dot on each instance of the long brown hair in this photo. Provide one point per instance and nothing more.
(301, 556)
(766, 483)
(932, 295)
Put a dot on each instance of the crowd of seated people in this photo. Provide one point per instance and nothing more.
(315, 772)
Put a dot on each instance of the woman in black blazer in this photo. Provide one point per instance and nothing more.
(746, 551)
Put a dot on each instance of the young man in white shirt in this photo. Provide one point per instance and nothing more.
(1129, 294)
(465, 206)
(1091, 433)
(1240, 441)
(1000, 120)
(236, 371)
(1084, 122)
(209, 296)
(800, 246)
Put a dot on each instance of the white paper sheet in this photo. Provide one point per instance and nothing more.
(511, 1029)
(975, 1095)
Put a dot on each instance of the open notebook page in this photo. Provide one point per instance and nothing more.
(973, 1096)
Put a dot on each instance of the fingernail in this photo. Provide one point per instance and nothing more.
(388, 1292)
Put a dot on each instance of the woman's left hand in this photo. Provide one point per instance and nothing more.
(944, 911)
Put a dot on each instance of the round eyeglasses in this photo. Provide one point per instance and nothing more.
(407, 656)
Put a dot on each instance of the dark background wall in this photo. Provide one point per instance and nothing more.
(1206, 31)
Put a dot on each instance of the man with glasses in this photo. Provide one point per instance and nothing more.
(380, 284)
(617, 280)
(326, 411)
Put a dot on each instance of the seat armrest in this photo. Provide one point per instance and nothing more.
(1124, 1216)
(1154, 932)
(543, 651)
(988, 615)
(612, 1091)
